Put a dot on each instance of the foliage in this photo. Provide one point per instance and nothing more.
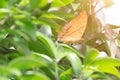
(28, 47)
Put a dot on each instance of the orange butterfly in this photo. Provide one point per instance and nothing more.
(73, 31)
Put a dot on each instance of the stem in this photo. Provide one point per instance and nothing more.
(90, 6)
(97, 10)
(56, 71)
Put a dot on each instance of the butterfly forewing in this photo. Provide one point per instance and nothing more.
(73, 31)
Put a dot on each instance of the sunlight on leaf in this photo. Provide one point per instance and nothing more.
(64, 50)
(60, 3)
(3, 12)
(91, 55)
(75, 62)
(75, 6)
(107, 65)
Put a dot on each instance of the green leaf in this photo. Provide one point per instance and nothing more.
(19, 16)
(25, 63)
(62, 14)
(23, 2)
(3, 12)
(48, 44)
(106, 61)
(5, 71)
(100, 76)
(42, 56)
(118, 42)
(75, 62)
(53, 16)
(67, 77)
(60, 3)
(37, 3)
(107, 65)
(21, 46)
(64, 50)
(47, 21)
(87, 74)
(110, 70)
(35, 76)
(4, 78)
(13, 2)
(3, 3)
(66, 72)
(15, 10)
(28, 27)
(75, 6)
(40, 47)
(90, 56)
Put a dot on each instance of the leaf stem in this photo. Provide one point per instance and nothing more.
(56, 71)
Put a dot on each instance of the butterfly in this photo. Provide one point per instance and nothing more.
(73, 31)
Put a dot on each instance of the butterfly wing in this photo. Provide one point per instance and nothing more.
(73, 31)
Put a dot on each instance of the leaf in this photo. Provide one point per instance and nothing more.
(60, 3)
(24, 2)
(21, 46)
(64, 50)
(66, 78)
(25, 63)
(47, 43)
(5, 71)
(41, 48)
(35, 76)
(19, 16)
(75, 62)
(107, 65)
(106, 61)
(75, 6)
(28, 27)
(118, 42)
(100, 76)
(3, 3)
(3, 12)
(15, 10)
(13, 2)
(110, 70)
(42, 57)
(49, 71)
(87, 74)
(47, 21)
(66, 72)
(46, 30)
(90, 56)
(4, 78)
(37, 3)
(61, 14)
(53, 16)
